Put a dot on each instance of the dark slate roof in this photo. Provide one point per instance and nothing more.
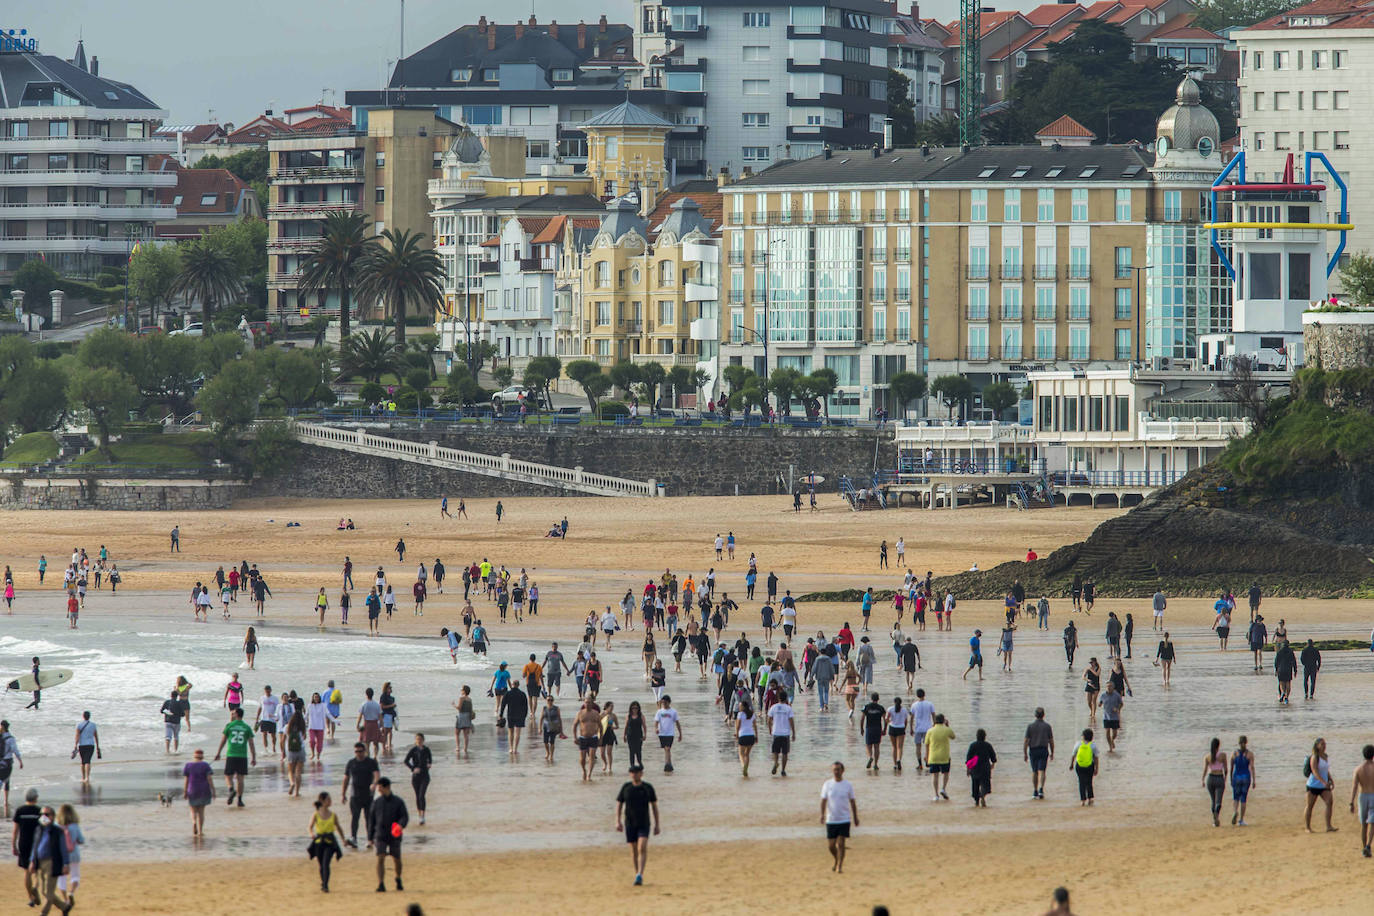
(1112, 163)
(533, 202)
(627, 114)
(18, 71)
(467, 47)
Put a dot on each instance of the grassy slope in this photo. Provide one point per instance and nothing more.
(30, 449)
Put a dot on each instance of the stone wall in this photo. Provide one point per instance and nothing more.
(688, 462)
(88, 493)
(1338, 340)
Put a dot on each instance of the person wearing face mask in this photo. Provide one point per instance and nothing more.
(49, 861)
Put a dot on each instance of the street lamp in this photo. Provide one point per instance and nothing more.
(1139, 310)
(129, 230)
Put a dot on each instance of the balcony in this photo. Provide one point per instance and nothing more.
(288, 278)
(736, 219)
(94, 244)
(901, 214)
(86, 210)
(311, 210)
(903, 295)
(736, 257)
(976, 354)
(976, 313)
(877, 254)
(756, 296)
(1078, 354)
(666, 360)
(1010, 314)
(292, 244)
(1011, 352)
(1046, 272)
(456, 187)
(976, 272)
(1078, 313)
(138, 146)
(537, 264)
(488, 267)
(903, 255)
(877, 296)
(317, 174)
(85, 178)
(1174, 215)
(1044, 354)
(877, 216)
(1045, 312)
(1079, 272)
(736, 297)
(1123, 271)
(698, 32)
(1011, 272)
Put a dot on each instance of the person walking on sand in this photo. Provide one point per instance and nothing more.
(1256, 636)
(551, 726)
(1285, 666)
(361, 773)
(1311, 659)
(975, 654)
(1070, 642)
(586, 729)
(669, 729)
(1038, 750)
(199, 789)
(1242, 780)
(389, 819)
(1092, 686)
(418, 760)
(87, 744)
(400, 549)
(1214, 772)
(50, 862)
(1159, 603)
(839, 809)
(979, 760)
(937, 756)
(1362, 789)
(176, 539)
(250, 646)
(1317, 769)
(1084, 763)
(633, 806)
(326, 836)
(882, 555)
(238, 736)
(500, 511)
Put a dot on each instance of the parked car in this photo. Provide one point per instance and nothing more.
(191, 330)
(511, 395)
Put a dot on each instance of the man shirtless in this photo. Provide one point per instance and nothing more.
(586, 728)
(1362, 787)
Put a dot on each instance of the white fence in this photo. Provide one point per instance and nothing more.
(362, 442)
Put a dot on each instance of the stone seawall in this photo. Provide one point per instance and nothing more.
(1338, 340)
(326, 473)
(126, 494)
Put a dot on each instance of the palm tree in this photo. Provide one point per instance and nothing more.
(400, 273)
(336, 260)
(208, 274)
(369, 354)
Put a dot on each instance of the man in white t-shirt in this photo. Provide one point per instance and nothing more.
(669, 727)
(266, 720)
(783, 730)
(838, 810)
(922, 718)
(720, 546)
(609, 624)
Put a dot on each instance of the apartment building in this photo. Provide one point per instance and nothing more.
(1304, 85)
(543, 80)
(919, 55)
(75, 163)
(383, 171)
(782, 81)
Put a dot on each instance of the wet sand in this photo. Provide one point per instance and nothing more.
(518, 835)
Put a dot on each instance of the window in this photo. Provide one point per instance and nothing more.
(1044, 205)
(18, 129)
(481, 114)
(1011, 341)
(755, 119)
(603, 274)
(686, 18)
(562, 75)
(978, 262)
(1340, 100)
(1123, 263)
(1340, 139)
(208, 200)
(1044, 344)
(977, 303)
(381, 159)
(536, 149)
(1281, 140)
(460, 75)
(755, 53)
(381, 195)
(437, 161)
(1078, 349)
(684, 82)
(58, 128)
(1123, 304)
(755, 154)
(1078, 262)
(880, 324)
(57, 162)
(1259, 141)
(1020, 59)
(1338, 60)
(807, 20)
(1011, 303)
(1123, 205)
(1078, 303)
(978, 207)
(977, 342)
(998, 82)
(1078, 209)
(755, 87)
(1011, 206)
(1280, 60)
(1202, 55)
(1173, 206)
(1281, 101)
(665, 312)
(1318, 60)
(1044, 303)
(1299, 275)
(1123, 351)
(1011, 262)
(757, 20)
(1259, 60)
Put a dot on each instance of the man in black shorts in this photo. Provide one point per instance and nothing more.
(361, 774)
(632, 807)
(1038, 749)
(871, 716)
(389, 818)
(25, 832)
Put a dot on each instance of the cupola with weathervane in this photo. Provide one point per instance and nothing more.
(1187, 133)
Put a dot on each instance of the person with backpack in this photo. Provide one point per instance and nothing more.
(1083, 762)
(1317, 770)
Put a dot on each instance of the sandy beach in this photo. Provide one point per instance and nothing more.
(521, 835)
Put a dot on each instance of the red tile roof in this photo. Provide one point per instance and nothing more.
(263, 127)
(987, 22)
(325, 110)
(704, 192)
(195, 185)
(1066, 127)
(553, 232)
(1047, 14)
(1341, 14)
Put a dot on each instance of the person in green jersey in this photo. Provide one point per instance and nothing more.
(236, 744)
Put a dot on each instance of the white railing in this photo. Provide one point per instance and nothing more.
(1191, 430)
(362, 442)
(981, 432)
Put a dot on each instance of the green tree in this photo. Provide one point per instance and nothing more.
(1215, 15)
(37, 279)
(907, 387)
(427, 344)
(783, 383)
(594, 382)
(540, 374)
(953, 391)
(335, 261)
(503, 375)
(108, 348)
(248, 165)
(373, 393)
(1357, 278)
(368, 353)
(152, 275)
(823, 383)
(209, 275)
(294, 378)
(941, 130)
(901, 109)
(999, 396)
(625, 375)
(245, 241)
(106, 395)
(651, 376)
(217, 349)
(418, 379)
(750, 395)
(273, 450)
(738, 376)
(36, 397)
(167, 369)
(230, 400)
(462, 387)
(402, 275)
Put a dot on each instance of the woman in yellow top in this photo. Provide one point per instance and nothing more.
(324, 837)
(321, 605)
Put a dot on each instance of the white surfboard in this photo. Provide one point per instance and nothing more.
(813, 479)
(48, 677)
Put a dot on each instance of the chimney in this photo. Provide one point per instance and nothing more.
(95, 66)
(553, 28)
(491, 37)
(519, 29)
(876, 151)
(722, 177)
(581, 35)
(603, 24)
(482, 25)
(827, 151)
(746, 173)
(532, 21)
(916, 11)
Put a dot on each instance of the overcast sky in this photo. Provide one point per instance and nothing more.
(240, 57)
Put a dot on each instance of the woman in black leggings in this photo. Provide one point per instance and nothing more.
(1084, 764)
(634, 733)
(325, 835)
(419, 760)
(1214, 778)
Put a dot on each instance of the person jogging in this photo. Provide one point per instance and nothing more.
(634, 804)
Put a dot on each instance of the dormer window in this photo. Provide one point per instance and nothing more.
(460, 75)
(490, 74)
(563, 75)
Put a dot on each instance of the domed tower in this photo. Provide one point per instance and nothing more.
(1187, 293)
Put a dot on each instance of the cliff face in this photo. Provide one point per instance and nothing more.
(1206, 534)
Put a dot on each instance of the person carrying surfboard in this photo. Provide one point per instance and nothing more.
(37, 688)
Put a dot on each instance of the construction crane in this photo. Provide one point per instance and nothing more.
(970, 74)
